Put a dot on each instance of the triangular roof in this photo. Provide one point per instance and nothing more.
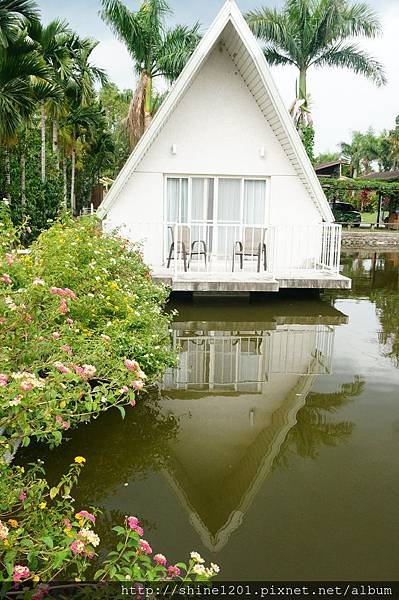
(240, 487)
(249, 59)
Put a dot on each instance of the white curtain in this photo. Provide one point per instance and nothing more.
(177, 200)
(229, 201)
(254, 202)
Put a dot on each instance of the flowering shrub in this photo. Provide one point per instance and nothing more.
(43, 537)
(81, 330)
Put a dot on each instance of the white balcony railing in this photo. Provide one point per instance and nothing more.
(229, 248)
(215, 248)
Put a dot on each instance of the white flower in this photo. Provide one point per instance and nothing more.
(197, 557)
(15, 402)
(89, 537)
(38, 281)
(4, 531)
(199, 569)
(215, 568)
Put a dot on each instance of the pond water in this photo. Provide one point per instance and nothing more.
(273, 448)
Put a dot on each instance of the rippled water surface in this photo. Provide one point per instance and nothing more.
(273, 447)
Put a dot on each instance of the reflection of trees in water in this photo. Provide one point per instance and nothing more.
(116, 450)
(314, 428)
(388, 314)
(376, 276)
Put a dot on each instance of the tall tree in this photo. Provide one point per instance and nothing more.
(155, 50)
(14, 14)
(362, 150)
(317, 33)
(24, 81)
(52, 42)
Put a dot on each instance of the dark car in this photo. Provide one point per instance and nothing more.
(345, 213)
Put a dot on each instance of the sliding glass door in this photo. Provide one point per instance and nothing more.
(216, 209)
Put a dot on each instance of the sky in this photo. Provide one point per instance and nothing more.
(341, 101)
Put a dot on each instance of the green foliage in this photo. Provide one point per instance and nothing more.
(307, 136)
(44, 536)
(73, 310)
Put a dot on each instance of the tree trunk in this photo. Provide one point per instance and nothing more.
(64, 170)
(23, 177)
(302, 89)
(147, 103)
(43, 142)
(135, 119)
(55, 142)
(7, 165)
(73, 169)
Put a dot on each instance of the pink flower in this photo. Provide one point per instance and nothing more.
(63, 307)
(3, 380)
(6, 278)
(22, 496)
(79, 370)
(67, 523)
(55, 335)
(139, 530)
(83, 514)
(145, 547)
(58, 419)
(65, 425)
(26, 386)
(61, 367)
(67, 348)
(20, 572)
(69, 321)
(77, 546)
(138, 384)
(132, 522)
(106, 338)
(124, 390)
(131, 365)
(160, 559)
(132, 402)
(69, 293)
(173, 571)
(9, 258)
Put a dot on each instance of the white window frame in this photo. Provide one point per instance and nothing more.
(215, 221)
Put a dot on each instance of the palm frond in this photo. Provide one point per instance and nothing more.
(178, 45)
(360, 19)
(274, 57)
(124, 24)
(350, 56)
(13, 15)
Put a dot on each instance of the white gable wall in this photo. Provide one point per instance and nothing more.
(218, 129)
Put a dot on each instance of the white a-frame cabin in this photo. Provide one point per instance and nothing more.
(219, 191)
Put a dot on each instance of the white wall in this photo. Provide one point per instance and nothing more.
(218, 129)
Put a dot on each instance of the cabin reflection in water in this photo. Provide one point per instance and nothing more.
(236, 393)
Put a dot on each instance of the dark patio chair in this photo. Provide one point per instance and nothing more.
(185, 247)
(253, 245)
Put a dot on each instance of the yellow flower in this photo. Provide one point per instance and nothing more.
(80, 460)
(42, 505)
(63, 404)
(68, 532)
(6, 542)
(13, 522)
(35, 578)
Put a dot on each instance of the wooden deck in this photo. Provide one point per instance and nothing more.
(247, 281)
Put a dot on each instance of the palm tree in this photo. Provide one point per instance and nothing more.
(317, 33)
(24, 81)
(362, 151)
(52, 42)
(13, 15)
(156, 51)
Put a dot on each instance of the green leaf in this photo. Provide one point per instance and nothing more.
(122, 411)
(53, 492)
(48, 541)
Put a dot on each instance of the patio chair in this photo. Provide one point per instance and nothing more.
(252, 246)
(185, 247)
